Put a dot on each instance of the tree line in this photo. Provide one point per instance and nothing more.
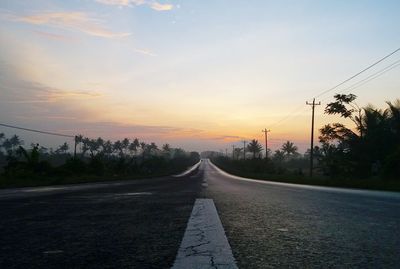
(99, 157)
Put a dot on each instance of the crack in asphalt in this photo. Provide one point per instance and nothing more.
(204, 244)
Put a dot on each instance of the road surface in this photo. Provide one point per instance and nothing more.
(141, 224)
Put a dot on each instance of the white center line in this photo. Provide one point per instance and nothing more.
(204, 244)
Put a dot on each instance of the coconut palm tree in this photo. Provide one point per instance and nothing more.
(143, 147)
(117, 146)
(62, 149)
(254, 147)
(237, 153)
(107, 148)
(78, 141)
(166, 150)
(279, 156)
(15, 142)
(289, 148)
(125, 145)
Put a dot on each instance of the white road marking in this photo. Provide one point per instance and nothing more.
(310, 187)
(188, 171)
(204, 244)
(135, 193)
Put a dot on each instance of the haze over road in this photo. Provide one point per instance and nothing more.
(140, 224)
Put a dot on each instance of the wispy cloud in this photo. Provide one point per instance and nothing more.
(152, 4)
(53, 95)
(145, 52)
(77, 21)
(115, 2)
(54, 36)
(160, 7)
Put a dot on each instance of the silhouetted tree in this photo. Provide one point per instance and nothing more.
(62, 148)
(289, 149)
(125, 145)
(166, 149)
(117, 147)
(254, 147)
(362, 150)
(237, 153)
(279, 156)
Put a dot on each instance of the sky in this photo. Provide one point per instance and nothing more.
(202, 75)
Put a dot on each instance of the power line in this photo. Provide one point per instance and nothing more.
(359, 73)
(36, 131)
(371, 77)
(366, 80)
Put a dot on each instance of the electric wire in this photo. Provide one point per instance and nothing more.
(36, 131)
(301, 108)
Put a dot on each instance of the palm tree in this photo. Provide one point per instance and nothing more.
(166, 150)
(237, 152)
(118, 147)
(94, 146)
(79, 140)
(279, 156)
(152, 148)
(85, 145)
(255, 147)
(10, 145)
(143, 146)
(135, 145)
(107, 147)
(62, 148)
(289, 148)
(7, 146)
(15, 142)
(125, 145)
(132, 149)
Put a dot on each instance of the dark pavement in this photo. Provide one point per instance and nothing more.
(140, 224)
(137, 225)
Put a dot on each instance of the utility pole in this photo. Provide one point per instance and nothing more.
(266, 141)
(233, 152)
(75, 140)
(313, 104)
(244, 150)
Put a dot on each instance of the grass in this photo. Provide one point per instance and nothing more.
(369, 184)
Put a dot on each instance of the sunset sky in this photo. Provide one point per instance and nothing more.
(201, 75)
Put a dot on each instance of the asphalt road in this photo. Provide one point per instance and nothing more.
(288, 226)
(132, 225)
(140, 224)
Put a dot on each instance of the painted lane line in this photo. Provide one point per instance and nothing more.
(204, 244)
(188, 171)
(309, 187)
(135, 193)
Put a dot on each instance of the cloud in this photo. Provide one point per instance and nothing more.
(161, 7)
(228, 137)
(115, 2)
(145, 52)
(152, 4)
(77, 21)
(54, 36)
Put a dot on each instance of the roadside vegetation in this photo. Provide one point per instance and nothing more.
(363, 155)
(95, 160)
